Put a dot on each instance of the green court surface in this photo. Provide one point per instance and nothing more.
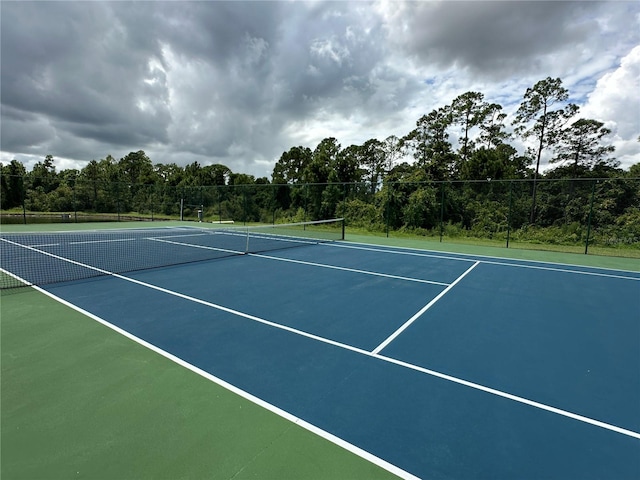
(81, 401)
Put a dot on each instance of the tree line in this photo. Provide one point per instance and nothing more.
(395, 182)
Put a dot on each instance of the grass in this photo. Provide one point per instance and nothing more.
(626, 251)
(497, 250)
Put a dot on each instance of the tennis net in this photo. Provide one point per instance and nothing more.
(45, 258)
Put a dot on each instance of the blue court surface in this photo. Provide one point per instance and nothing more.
(432, 365)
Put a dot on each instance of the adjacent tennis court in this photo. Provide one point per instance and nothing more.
(426, 364)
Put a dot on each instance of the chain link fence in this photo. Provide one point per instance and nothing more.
(577, 214)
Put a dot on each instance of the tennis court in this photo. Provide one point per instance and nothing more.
(427, 364)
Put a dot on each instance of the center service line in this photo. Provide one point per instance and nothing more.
(424, 309)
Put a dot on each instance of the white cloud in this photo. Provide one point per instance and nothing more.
(616, 102)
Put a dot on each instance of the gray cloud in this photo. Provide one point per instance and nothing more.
(240, 82)
(494, 37)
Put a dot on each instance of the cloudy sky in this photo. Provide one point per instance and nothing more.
(238, 83)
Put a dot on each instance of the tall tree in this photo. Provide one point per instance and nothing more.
(492, 128)
(137, 168)
(322, 161)
(468, 110)
(43, 175)
(215, 175)
(372, 161)
(291, 165)
(392, 152)
(498, 163)
(347, 165)
(580, 145)
(317, 173)
(168, 173)
(536, 118)
(430, 145)
(13, 190)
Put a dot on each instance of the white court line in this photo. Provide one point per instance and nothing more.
(393, 336)
(346, 269)
(433, 373)
(515, 398)
(182, 235)
(494, 261)
(203, 247)
(244, 394)
(321, 265)
(562, 270)
(16, 277)
(273, 236)
(413, 253)
(102, 241)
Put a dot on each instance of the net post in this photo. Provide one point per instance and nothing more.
(342, 236)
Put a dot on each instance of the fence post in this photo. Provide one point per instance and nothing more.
(509, 213)
(593, 192)
(24, 201)
(387, 208)
(273, 203)
(441, 210)
(245, 204)
(75, 205)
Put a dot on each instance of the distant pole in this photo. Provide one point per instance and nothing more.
(75, 206)
(593, 192)
(24, 206)
(509, 213)
(388, 208)
(441, 210)
(273, 204)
